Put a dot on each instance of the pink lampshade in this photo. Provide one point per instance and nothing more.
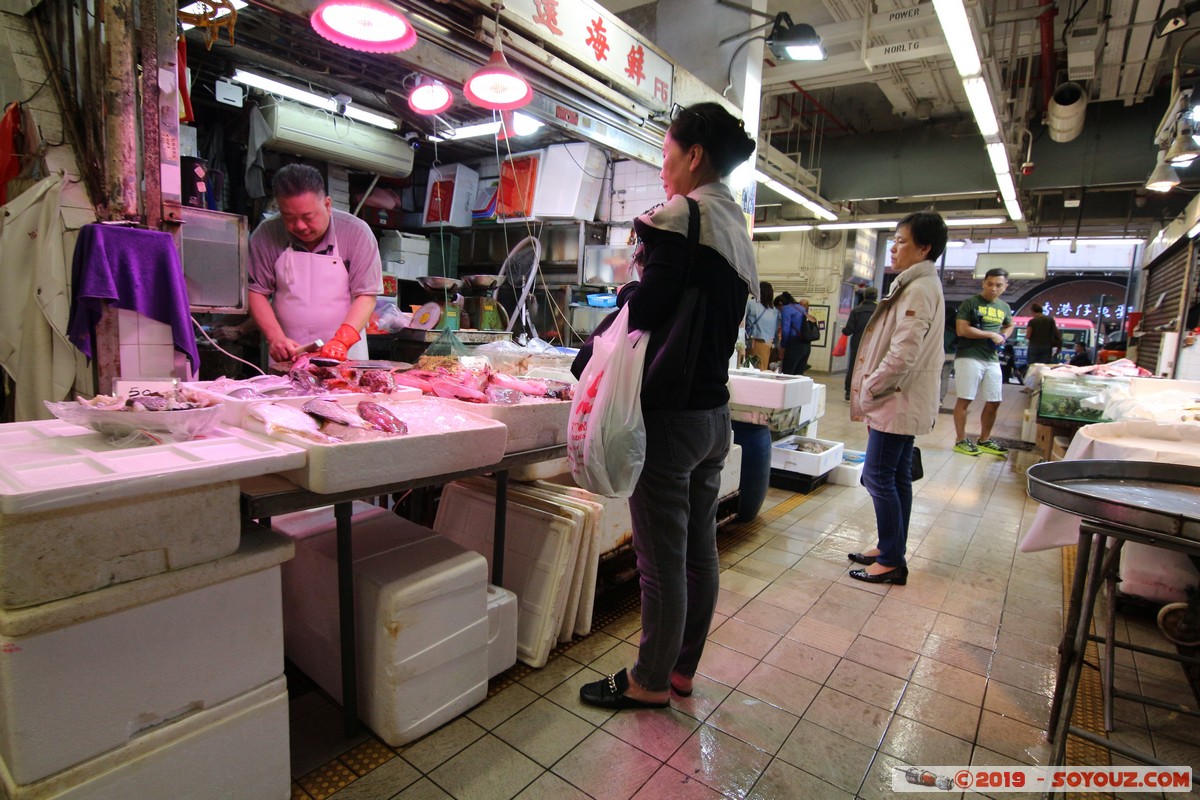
(364, 25)
(497, 86)
(430, 97)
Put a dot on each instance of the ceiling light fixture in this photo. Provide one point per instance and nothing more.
(998, 153)
(794, 196)
(523, 125)
(496, 85)
(364, 25)
(790, 42)
(980, 99)
(972, 222)
(330, 104)
(781, 228)
(430, 97)
(861, 225)
(952, 14)
(1163, 178)
(1175, 18)
(1183, 149)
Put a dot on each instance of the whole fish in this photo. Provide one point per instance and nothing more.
(327, 409)
(289, 419)
(530, 386)
(376, 380)
(381, 417)
(444, 388)
(415, 381)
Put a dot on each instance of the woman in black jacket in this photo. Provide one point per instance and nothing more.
(856, 323)
(674, 505)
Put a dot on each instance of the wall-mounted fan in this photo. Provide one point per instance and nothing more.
(824, 240)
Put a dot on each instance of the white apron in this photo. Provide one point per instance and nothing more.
(312, 297)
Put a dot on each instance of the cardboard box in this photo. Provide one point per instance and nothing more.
(784, 457)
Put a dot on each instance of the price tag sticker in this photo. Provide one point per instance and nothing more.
(139, 387)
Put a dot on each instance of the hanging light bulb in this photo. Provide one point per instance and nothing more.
(1183, 149)
(496, 85)
(1163, 178)
(364, 25)
(430, 97)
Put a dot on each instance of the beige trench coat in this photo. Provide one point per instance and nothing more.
(897, 374)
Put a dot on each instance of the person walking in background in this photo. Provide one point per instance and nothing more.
(856, 323)
(983, 324)
(674, 504)
(1043, 338)
(762, 322)
(895, 390)
(792, 339)
(1081, 357)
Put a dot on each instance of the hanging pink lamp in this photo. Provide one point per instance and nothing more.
(364, 25)
(497, 86)
(430, 97)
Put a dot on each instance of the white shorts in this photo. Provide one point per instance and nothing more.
(969, 373)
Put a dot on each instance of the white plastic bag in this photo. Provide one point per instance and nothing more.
(606, 437)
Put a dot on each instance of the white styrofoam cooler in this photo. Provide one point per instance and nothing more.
(91, 673)
(502, 629)
(237, 750)
(450, 196)
(782, 457)
(421, 617)
(573, 192)
(751, 387)
(1156, 573)
(814, 408)
(849, 472)
(530, 425)
(447, 439)
(731, 473)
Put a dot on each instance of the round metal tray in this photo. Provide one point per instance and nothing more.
(1150, 496)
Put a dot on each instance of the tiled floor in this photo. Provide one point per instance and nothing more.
(813, 685)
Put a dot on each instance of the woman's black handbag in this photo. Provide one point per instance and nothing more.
(673, 349)
(918, 469)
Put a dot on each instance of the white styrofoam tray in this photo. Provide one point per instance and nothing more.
(731, 473)
(233, 409)
(782, 457)
(237, 750)
(752, 387)
(530, 425)
(615, 529)
(421, 612)
(502, 629)
(51, 464)
(442, 438)
(93, 673)
(540, 550)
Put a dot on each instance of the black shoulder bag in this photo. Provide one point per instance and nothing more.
(673, 349)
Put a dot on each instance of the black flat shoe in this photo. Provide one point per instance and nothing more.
(610, 693)
(859, 558)
(897, 576)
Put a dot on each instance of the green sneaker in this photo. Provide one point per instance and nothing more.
(966, 448)
(990, 446)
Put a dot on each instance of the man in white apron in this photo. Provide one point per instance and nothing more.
(314, 271)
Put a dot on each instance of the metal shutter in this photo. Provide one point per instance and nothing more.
(1165, 278)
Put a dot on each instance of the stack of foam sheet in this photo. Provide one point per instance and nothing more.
(541, 555)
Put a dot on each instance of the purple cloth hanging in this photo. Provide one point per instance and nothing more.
(134, 269)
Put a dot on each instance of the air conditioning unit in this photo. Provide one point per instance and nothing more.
(296, 128)
(1085, 41)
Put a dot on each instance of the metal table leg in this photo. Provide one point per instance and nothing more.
(498, 531)
(345, 569)
(1066, 647)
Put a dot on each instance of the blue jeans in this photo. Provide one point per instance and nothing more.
(674, 510)
(887, 475)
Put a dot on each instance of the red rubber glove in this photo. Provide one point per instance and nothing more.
(339, 346)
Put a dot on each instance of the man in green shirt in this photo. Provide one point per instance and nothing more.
(983, 324)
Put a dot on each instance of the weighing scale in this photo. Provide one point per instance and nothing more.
(447, 315)
(483, 309)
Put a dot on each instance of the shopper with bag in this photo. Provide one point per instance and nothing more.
(697, 269)
(895, 389)
(855, 325)
(762, 322)
(796, 334)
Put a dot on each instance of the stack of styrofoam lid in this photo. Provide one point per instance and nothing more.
(541, 551)
(49, 464)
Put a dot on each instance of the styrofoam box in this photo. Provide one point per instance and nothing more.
(465, 183)
(849, 472)
(96, 672)
(530, 425)
(65, 552)
(442, 438)
(50, 464)
(421, 618)
(1156, 573)
(615, 529)
(731, 473)
(750, 387)
(573, 192)
(814, 407)
(502, 630)
(397, 242)
(233, 410)
(805, 463)
(237, 750)
(541, 470)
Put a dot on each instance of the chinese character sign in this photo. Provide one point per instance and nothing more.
(597, 39)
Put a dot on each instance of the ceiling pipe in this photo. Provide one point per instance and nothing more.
(1048, 60)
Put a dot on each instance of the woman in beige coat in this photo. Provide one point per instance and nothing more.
(895, 388)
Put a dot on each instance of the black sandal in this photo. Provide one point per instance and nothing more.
(610, 693)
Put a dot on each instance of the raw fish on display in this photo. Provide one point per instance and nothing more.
(415, 381)
(381, 417)
(457, 391)
(527, 386)
(289, 419)
(327, 409)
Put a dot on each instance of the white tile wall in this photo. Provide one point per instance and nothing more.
(147, 348)
(636, 187)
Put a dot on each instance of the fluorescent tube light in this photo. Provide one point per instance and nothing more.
(1008, 191)
(781, 228)
(980, 99)
(957, 30)
(861, 225)
(968, 222)
(523, 125)
(998, 153)
(1014, 210)
(309, 98)
(794, 196)
(1124, 241)
(1192, 231)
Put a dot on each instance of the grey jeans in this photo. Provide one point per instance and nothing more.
(674, 510)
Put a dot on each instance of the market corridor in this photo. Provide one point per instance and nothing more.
(813, 685)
